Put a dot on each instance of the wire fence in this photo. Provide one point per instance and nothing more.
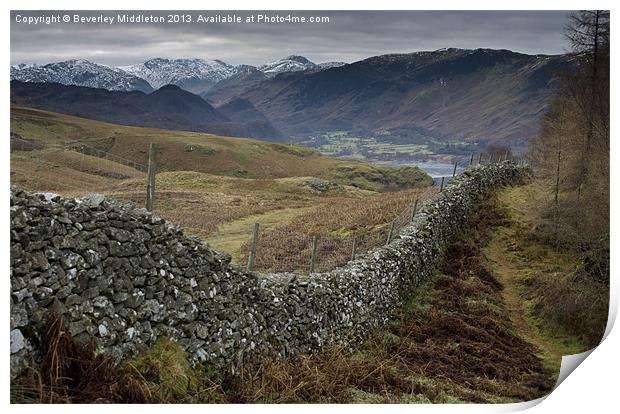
(78, 167)
(284, 249)
(287, 250)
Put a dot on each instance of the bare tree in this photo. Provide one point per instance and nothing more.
(588, 33)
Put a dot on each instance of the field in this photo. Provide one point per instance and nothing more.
(217, 187)
(352, 145)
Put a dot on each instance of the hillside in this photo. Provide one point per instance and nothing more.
(214, 186)
(205, 153)
(169, 107)
(477, 95)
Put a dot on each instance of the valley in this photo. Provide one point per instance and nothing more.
(216, 187)
(390, 107)
(434, 156)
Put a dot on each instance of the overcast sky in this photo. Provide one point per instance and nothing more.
(349, 36)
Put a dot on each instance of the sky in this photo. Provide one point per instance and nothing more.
(348, 36)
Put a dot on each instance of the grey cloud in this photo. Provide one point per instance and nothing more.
(349, 36)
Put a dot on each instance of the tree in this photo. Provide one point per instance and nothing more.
(571, 154)
(588, 33)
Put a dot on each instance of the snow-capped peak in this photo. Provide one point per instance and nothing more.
(292, 63)
(195, 75)
(80, 72)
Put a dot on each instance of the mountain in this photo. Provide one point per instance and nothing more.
(456, 96)
(227, 89)
(194, 75)
(480, 95)
(243, 112)
(293, 63)
(329, 65)
(80, 72)
(169, 107)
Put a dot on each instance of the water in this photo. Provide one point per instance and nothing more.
(435, 169)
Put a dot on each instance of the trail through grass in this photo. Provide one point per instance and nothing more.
(514, 257)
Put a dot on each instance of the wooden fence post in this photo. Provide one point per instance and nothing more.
(150, 185)
(252, 256)
(454, 171)
(315, 241)
(471, 160)
(441, 187)
(414, 209)
(390, 234)
(479, 158)
(353, 248)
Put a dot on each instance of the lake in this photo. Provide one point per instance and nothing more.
(435, 169)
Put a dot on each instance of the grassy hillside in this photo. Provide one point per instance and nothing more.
(214, 187)
(206, 153)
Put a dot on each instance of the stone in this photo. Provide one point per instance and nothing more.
(19, 317)
(202, 331)
(92, 200)
(39, 261)
(18, 342)
(77, 327)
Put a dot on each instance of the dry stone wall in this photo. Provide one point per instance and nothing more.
(127, 277)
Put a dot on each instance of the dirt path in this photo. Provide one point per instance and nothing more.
(509, 255)
(511, 274)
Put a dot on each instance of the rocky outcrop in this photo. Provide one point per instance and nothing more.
(127, 277)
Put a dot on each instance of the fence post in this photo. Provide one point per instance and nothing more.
(353, 248)
(252, 256)
(390, 234)
(441, 187)
(471, 160)
(150, 185)
(315, 240)
(479, 158)
(414, 209)
(454, 171)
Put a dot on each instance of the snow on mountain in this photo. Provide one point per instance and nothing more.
(194, 75)
(80, 72)
(21, 66)
(291, 63)
(329, 65)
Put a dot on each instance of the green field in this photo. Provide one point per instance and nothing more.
(384, 146)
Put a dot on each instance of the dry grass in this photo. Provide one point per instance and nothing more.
(206, 153)
(337, 222)
(74, 372)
